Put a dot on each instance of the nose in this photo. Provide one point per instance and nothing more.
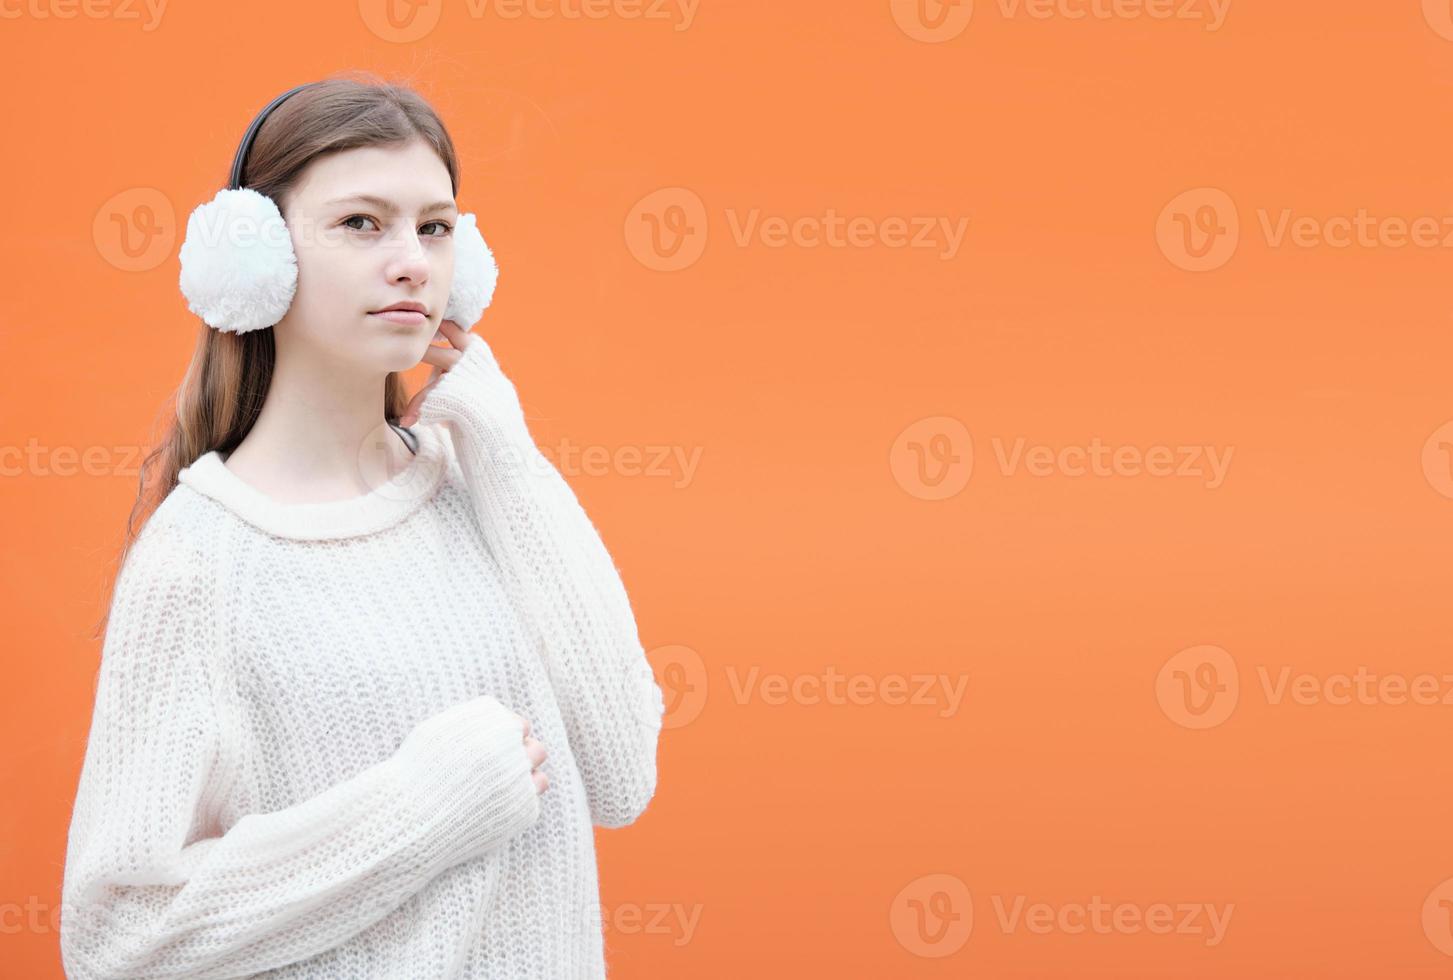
(408, 262)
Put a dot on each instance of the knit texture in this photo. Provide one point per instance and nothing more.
(303, 759)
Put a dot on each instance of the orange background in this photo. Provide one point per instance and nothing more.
(805, 836)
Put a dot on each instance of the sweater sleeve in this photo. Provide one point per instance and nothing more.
(153, 886)
(562, 582)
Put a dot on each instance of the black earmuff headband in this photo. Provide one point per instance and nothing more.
(239, 162)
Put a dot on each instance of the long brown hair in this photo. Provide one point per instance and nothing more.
(222, 392)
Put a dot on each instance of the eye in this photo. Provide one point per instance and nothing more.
(446, 228)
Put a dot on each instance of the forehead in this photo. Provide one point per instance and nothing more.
(410, 175)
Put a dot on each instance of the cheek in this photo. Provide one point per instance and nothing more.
(327, 269)
(442, 270)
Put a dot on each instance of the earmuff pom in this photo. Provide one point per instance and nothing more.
(475, 274)
(239, 272)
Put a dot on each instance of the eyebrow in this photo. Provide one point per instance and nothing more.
(387, 206)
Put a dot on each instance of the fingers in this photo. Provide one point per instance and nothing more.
(440, 357)
(410, 413)
(455, 334)
(535, 750)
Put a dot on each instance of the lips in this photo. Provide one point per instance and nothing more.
(407, 313)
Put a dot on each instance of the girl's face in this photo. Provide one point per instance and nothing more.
(371, 226)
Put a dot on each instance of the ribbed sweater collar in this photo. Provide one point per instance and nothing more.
(387, 504)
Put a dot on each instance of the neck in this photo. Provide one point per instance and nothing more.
(321, 434)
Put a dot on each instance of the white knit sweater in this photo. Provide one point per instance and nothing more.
(302, 760)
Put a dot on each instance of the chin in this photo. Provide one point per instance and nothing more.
(401, 351)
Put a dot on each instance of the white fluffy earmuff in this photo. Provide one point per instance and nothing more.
(239, 271)
(475, 274)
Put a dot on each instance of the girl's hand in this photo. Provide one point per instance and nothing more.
(536, 751)
(443, 358)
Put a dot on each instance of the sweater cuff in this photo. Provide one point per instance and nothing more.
(476, 394)
(468, 773)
